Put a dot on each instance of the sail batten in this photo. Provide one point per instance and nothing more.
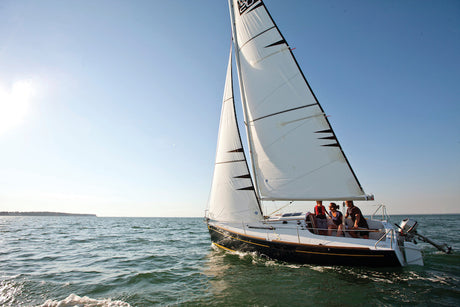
(255, 36)
(284, 111)
(290, 160)
(231, 161)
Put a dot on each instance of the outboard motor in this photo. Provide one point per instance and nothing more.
(408, 230)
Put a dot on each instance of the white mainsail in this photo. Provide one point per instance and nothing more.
(294, 151)
(232, 198)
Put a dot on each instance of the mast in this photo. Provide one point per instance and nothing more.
(243, 99)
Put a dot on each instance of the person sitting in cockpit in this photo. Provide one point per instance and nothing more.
(359, 222)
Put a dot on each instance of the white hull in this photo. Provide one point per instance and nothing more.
(293, 236)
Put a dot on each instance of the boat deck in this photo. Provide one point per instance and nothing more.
(296, 231)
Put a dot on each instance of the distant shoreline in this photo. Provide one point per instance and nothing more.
(43, 213)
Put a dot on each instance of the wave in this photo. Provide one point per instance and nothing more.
(9, 290)
(356, 274)
(75, 300)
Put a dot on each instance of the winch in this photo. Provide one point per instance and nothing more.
(408, 230)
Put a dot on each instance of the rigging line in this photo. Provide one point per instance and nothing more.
(289, 110)
(255, 36)
(231, 161)
(228, 99)
(281, 208)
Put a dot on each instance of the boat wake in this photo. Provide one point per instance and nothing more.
(242, 255)
(75, 300)
(260, 259)
(10, 291)
(355, 274)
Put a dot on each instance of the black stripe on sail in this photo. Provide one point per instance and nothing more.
(231, 161)
(246, 189)
(236, 150)
(277, 43)
(324, 131)
(331, 145)
(243, 176)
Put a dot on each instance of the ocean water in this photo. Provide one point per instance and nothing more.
(89, 261)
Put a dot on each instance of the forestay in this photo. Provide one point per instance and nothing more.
(232, 196)
(294, 150)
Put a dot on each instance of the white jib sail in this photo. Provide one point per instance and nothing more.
(232, 196)
(295, 152)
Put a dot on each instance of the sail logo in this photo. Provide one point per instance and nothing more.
(243, 5)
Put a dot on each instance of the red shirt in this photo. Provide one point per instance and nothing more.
(320, 211)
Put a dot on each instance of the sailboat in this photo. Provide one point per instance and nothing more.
(294, 156)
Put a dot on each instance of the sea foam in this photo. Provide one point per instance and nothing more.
(75, 300)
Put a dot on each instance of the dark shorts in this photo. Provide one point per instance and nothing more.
(321, 223)
(363, 233)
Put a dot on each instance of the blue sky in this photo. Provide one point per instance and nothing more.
(112, 107)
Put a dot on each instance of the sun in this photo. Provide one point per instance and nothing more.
(15, 104)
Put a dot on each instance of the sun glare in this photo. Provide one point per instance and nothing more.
(14, 104)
